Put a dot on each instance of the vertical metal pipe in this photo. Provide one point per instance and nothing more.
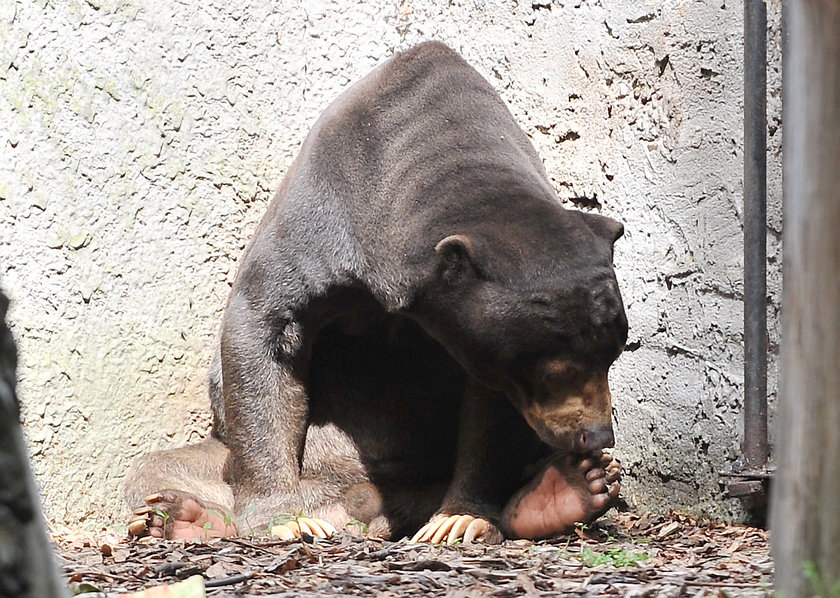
(755, 240)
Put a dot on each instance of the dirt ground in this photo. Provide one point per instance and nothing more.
(622, 555)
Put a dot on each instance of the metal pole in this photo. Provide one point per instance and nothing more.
(755, 446)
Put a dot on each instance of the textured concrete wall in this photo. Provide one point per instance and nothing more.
(141, 140)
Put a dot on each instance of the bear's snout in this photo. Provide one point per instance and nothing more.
(570, 428)
(594, 439)
(571, 408)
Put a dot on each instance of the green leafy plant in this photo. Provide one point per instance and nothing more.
(617, 557)
(84, 588)
(361, 526)
(167, 518)
(162, 514)
(819, 585)
(226, 517)
(285, 518)
(249, 510)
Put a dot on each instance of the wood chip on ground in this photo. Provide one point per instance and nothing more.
(622, 555)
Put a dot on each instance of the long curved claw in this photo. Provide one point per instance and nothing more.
(290, 530)
(142, 520)
(283, 531)
(613, 471)
(443, 529)
(320, 528)
(138, 527)
(476, 529)
(424, 534)
(451, 528)
(459, 528)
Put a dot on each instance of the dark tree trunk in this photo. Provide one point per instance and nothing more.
(27, 568)
(806, 504)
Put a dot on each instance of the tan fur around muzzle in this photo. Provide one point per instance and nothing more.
(567, 407)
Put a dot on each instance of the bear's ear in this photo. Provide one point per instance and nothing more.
(455, 256)
(604, 227)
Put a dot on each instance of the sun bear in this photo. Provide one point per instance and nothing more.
(418, 337)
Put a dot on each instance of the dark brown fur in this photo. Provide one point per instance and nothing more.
(414, 297)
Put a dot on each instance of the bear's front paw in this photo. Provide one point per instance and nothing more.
(293, 528)
(451, 528)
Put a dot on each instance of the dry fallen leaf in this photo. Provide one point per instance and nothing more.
(669, 529)
(216, 570)
(684, 553)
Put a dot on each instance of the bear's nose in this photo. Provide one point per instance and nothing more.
(594, 439)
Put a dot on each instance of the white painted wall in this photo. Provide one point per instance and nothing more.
(140, 141)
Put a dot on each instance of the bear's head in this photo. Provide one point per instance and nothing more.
(533, 309)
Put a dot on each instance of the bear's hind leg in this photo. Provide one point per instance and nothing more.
(181, 493)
